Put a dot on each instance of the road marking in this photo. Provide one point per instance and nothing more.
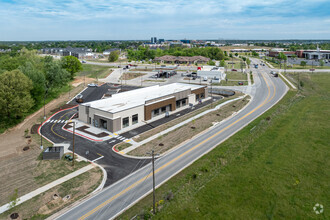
(99, 158)
(54, 125)
(184, 153)
(51, 121)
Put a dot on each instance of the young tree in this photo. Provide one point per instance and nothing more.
(15, 98)
(222, 63)
(248, 61)
(282, 56)
(303, 63)
(321, 63)
(113, 56)
(13, 199)
(71, 64)
(211, 63)
(236, 54)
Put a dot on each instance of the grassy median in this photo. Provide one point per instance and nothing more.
(275, 168)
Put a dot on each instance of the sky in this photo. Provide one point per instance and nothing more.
(37, 20)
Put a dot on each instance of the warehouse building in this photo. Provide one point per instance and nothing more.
(128, 110)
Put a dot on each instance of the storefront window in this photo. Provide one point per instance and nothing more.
(125, 122)
(135, 119)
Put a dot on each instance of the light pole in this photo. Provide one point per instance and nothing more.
(74, 127)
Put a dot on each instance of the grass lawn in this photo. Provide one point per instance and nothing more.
(277, 167)
(95, 71)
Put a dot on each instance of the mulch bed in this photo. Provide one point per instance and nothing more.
(34, 129)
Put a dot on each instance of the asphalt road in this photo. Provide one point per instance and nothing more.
(114, 199)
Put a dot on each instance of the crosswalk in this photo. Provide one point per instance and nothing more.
(118, 138)
(57, 121)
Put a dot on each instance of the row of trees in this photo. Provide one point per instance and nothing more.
(26, 79)
(144, 53)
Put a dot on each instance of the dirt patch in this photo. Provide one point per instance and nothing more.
(34, 129)
(131, 75)
(46, 203)
(182, 118)
(65, 106)
(172, 139)
(122, 146)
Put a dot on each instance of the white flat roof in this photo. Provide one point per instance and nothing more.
(134, 98)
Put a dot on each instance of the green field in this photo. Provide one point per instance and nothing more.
(275, 168)
(95, 71)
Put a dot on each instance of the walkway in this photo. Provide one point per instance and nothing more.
(48, 186)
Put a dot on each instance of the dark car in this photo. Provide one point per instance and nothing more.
(240, 83)
(79, 98)
(235, 70)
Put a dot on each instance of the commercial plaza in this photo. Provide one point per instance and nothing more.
(128, 110)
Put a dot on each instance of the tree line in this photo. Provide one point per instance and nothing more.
(26, 79)
(144, 53)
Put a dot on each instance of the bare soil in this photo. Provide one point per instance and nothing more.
(46, 204)
(186, 132)
(169, 124)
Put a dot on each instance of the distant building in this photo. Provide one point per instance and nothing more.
(108, 51)
(182, 59)
(153, 40)
(161, 41)
(79, 52)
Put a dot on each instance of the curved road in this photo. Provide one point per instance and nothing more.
(116, 198)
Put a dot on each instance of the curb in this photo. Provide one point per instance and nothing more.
(195, 136)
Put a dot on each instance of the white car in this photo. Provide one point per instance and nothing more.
(92, 85)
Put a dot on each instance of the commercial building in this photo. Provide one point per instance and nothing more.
(128, 110)
(182, 59)
(108, 51)
(212, 72)
(307, 54)
(79, 52)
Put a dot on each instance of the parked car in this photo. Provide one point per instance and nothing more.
(83, 61)
(240, 83)
(79, 98)
(235, 70)
(92, 85)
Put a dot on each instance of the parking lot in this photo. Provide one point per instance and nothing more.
(308, 62)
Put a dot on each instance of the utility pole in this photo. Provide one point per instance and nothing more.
(74, 126)
(153, 181)
(298, 80)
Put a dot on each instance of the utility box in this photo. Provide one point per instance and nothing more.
(53, 153)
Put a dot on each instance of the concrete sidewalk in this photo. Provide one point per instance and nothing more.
(48, 186)
(138, 144)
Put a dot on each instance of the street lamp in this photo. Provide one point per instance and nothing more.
(74, 127)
